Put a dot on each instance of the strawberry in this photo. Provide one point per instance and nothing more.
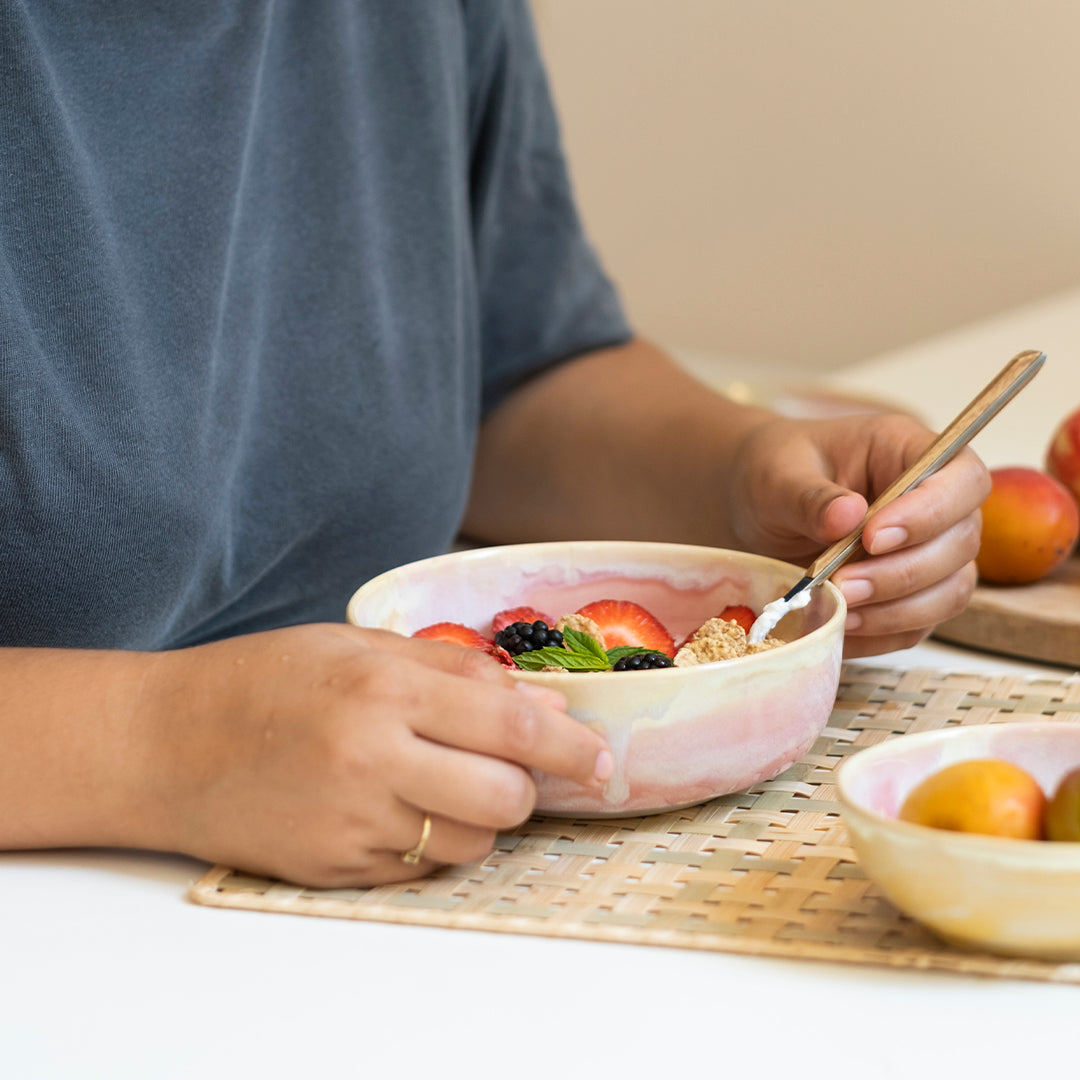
(456, 634)
(623, 622)
(502, 656)
(503, 619)
(739, 613)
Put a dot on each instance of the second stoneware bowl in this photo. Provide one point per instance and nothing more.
(1015, 897)
(679, 736)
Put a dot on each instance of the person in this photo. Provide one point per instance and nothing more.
(292, 292)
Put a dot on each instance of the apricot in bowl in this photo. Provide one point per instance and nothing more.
(1061, 820)
(980, 795)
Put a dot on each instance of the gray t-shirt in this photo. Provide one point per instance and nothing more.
(264, 264)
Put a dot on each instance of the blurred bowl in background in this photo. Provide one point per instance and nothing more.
(1014, 897)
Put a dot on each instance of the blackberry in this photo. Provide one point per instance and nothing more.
(523, 637)
(642, 662)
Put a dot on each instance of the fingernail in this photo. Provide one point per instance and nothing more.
(856, 590)
(888, 540)
(604, 768)
(853, 621)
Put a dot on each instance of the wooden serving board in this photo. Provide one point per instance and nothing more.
(1036, 622)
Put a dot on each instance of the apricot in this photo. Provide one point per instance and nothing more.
(1063, 454)
(1062, 819)
(1030, 522)
(982, 795)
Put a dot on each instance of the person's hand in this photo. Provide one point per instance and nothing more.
(799, 485)
(313, 753)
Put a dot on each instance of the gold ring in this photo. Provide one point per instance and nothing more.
(411, 858)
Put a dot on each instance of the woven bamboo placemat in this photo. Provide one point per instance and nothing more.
(765, 872)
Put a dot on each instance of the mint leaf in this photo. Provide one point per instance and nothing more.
(564, 658)
(627, 650)
(580, 652)
(580, 642)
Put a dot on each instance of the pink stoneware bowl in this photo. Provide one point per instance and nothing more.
(1014, 897)
(679, 735)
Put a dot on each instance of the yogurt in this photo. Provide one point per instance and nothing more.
(773, 612)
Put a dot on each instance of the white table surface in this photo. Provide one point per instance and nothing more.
(107, 971)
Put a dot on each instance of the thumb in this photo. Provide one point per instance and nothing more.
(823, 511)
(787, 499)
(843, 514)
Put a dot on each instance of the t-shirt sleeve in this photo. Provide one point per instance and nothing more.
(543, 293)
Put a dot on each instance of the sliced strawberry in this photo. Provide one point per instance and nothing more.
(739, 613)
(518, 614)
(502, 656)
(622, 622)
(456, 634)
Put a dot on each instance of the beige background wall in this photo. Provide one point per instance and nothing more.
(821, 180)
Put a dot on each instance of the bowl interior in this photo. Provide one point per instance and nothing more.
(879, 778)
(681, 585)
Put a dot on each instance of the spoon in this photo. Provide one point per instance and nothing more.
(1012, 378)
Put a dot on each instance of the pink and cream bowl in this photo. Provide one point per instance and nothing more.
(680, 736)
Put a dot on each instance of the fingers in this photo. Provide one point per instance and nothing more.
(921, 570)
(931, 509)
(463, 698)
(856, 645)
(453, 659)
(469, 765)
(448, 842)
(895, 600)
(911, 568)
(473, 788)
(468, 746)
(468, 762)
(842, 514)
(512, 724)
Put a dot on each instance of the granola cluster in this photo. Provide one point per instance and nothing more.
(720, 639)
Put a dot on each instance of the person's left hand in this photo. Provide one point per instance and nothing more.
(797, 486)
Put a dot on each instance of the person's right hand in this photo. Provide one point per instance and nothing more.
(797, 486)
(312, 753)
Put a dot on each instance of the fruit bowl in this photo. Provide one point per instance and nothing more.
(679, 736)
(1014, 897)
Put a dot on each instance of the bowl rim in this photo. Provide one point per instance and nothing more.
(655, 546)
(972, 843)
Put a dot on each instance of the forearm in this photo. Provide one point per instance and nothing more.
(621, 443)
(74, 759)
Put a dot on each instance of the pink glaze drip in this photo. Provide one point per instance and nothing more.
(694, 761)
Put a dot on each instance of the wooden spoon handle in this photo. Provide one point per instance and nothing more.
(1012, 378)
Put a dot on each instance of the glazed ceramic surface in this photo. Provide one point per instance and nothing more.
(1016, 897)
(679, 736)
